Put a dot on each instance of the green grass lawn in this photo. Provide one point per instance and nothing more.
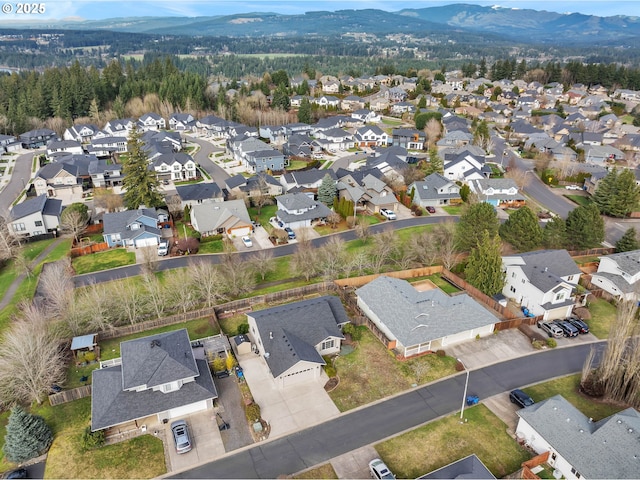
(453, 209)
(603, 314)
(95, 262)
(579, 199)
(216, 246)
(568, 388)
(181, 227)
(266, 213)
(388, 121)
(32, 250)
(444, 441)
(328, 229)
(442, 284)
(296, 165)
(371, 372)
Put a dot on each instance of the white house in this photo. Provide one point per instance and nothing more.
(466, 167)
(293, 338)
(175, 166)
(415, 322)
(499, 192)
(578, 447)
(297, 210)
(618, 274)
(543, 281)
(435, 190)
(371, 136)
(151, 121)
(35, 216)
(80, 133)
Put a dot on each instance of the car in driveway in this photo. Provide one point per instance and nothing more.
(388, 214)
(551, 328)
(518, 397)
(378, 469)
(573, 187)
(568, 329)
(431, 209)
(290, 233)
(163, 248)
(247, 241)
(181, 437)
(581, 325)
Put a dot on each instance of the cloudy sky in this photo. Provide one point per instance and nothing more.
(100, 9)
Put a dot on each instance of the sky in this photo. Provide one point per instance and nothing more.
(101, 9)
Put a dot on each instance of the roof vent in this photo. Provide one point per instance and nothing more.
(619, 421)
(630, 430)
(581, 431)
(270, 335)
(545, 269)
(266, 354)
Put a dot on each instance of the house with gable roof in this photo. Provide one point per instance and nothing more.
(37, 138)
(579, 447)
(158, 375)
(415, 322)
(55, 177)
(371, 136)
(297, 210)
(174, 166)
(230, 218)
(198, 193)
(82, 133)
(544, 281)
(133, 228)
(435, 190)
(35, 216)
(151, 121)
(367, 191)
(618, 274)
(292, 338)
(465, 166)
(305, 180)
(499, 192)
(181, 122)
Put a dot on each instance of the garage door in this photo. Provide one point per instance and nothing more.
(457, 338)
(298, 377)
(146, 242)
(187, 409)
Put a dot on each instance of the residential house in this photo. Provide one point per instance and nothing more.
(365, 115)
(499, 192)
(181, 122)
(105, 174)
(543, 281)
(326, 101)
(293, 338)
(367, 191)
(64, 147)
(434, 191)
(415, 322)
(151, 121)
(371, 136)
(54, 178)
(466, 167)
(297, 210)
(107, 146)
(198, 193)
(174, 166)
(37, 138)
(301, 146)
(467, 467)
(601, 154)
(261, 182)
(335, 139)
(402, 107)
(256, 155)
(212, 126)
(455, 139)
(133, 228)
(119, 127)
(82, 133)
(229, 218)
(579, 447)
(155, 376)
(35, 216)
(305, 180)
(618, 274)
(391, 161)
(352, 102)
(9, 143)
(410, 139)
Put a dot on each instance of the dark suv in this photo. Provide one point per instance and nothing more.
(518, 397)
(568, 329)
(579, 324)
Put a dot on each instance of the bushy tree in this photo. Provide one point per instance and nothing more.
(484, 268)
(628, 242)
(617, 193)
(473, 222)
(140, 183)
(281, 99)
(554, 234)
(435, 164)
(585, 227)
(522, 230)
(327, 190)
(304, 112)
(74, 219)
(27, 436)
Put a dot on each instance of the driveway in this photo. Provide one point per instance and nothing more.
(231, 410)
(288, 409)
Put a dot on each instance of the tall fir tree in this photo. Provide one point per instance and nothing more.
(628, 242)
(585, 227)
(327, 190)
(522, 230)
(554, 234)
(473, 222)
(140, 183)
(484, 267)
(617, 193)
(435, 164)
(304, 112)
(27, 436)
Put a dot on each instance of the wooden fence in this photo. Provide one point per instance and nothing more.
(516, 322)
(592, 251)
(411, 273)
(88, 249)
(69, 395)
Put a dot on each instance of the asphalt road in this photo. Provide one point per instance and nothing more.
(298, 451)
(181, 262)
(202, 158)
(20, 176)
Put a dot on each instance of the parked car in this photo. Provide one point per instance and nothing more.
(518, 397)
(388, 214)
(379, 469)
(247, 241)
(573, 187)
(17, 473)
(551, 328)
(290, 233)
(431, 209)
(163, 248)
(181, 437)
(579, 324)
(568, 329)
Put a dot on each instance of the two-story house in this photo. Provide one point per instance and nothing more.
(133, 228)
(56, 147)
(151, 121)
(499, 192)
(155, 376)
(543, 281)
(174, 166)
(37, 138)
(297, 210)
(35, 216)
(82, 133)
(371, 136)
(181, 122)
(618, 274)
(410, 139)
(54, 178)
(435, 190)
(367, 191)
(105, 174)
(293, 338)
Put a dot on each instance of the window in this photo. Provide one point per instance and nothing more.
(560, 296)
(575, 472)
(171, 387)
(523, 280)
(19, 227)
(38, 223)
(513, 274)
(328, 344)
(512, 288)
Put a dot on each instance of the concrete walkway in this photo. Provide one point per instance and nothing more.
(8, 295)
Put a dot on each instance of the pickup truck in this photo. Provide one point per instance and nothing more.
(552, 329)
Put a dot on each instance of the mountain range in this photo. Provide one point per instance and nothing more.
(521, 25)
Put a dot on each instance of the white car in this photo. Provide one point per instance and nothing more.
(379, 470)
(573, 187)
(163, 249)
(388, 214)
(247, 241)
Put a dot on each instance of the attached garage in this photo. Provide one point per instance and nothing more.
(184, 410)
(146, 242)
(304, 372)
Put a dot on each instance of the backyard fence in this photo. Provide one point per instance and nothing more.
(70, 395)
(592, 251)
(410, 273)
(88, 249)
(516, 322)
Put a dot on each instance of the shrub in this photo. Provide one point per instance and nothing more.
(27, 436)
(230, 362)
(537, 344)
(459, 367)
(329, 369)
(218, 364)
(441, 353)
(210, 238)
(252, 411)
(89, 356)
(242, 329)
(478, 337)
(351, 329)
(92, 440)
(551, 343)
(189, 244)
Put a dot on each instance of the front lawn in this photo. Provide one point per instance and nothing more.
(328, 229)
(444, 441)
(95, 262)
(603, 314)
(371, 372)
(215, 246)
(266, 213)
(453, 209)
(579, 199)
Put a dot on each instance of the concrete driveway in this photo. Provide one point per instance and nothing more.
(287, 409)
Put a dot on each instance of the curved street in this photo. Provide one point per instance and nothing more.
(20, 176)
(370, 424)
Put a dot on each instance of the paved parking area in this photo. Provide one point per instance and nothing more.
(286, 409)
(354, 464)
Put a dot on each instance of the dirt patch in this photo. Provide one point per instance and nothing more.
(331, 384)
(424, 285)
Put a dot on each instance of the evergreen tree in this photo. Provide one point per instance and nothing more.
(140, 183)
(585, 227)
(628, 242)
(482, 68)
(327, 190)
(465, 191)
(473, 222)
(435, 164)
(27, 436)
(554, 235)
(484, 268)
(522, 230)
(304, 112)
(617, 193)
(281, 99)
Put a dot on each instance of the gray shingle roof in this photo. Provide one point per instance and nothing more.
(544, 268)
(470, 467)
(48, 206)
(609, 448)
(199, 191)
(429, 188)
(211, 216)
(290, 332)
(628, 262)
(401, 308)
(117, 222)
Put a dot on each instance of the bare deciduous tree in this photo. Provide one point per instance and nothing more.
(180, 289)
(132, 304)
(518, 176)
(97, 301)
(333, 219)
(333, 258)
(105, 198)
(384, 246)
(238, 276)
(304, 262)
(445, 239)
(208, 282)
(363, 230)
(56, 284)
(425, 250)
(262, 262)
(31, 358)
(360, 263)
(74, 222)
(260, 194)
(156, 293)
(9, 243)
(432, 130)
(149, 259)
(174, 204)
